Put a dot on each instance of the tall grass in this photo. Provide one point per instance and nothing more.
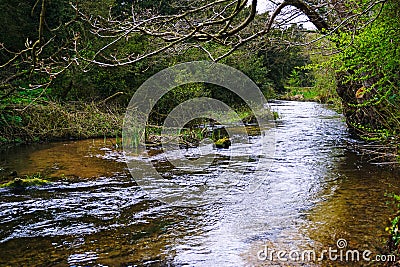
(53, 121)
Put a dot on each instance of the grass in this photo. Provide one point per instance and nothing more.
(314, 94)
(54, 121)
(304, 93)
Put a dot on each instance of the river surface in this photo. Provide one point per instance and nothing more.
(315, 192)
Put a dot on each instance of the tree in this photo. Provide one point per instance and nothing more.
(74, 38)
(172, 28)
(223, 22)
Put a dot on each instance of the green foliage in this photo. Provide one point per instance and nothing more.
(253, 66)
(393, 228)
(34, 89)
(282, 61)
(295, 79)
(17, 24)
(319, 75)
(175, 97)
(368, 66)
(123, 8)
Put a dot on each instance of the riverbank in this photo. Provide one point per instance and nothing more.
(53, 121)
(312, 94)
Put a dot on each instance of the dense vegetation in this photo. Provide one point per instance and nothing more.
(45, 100)
(368, 74)
(68, 70)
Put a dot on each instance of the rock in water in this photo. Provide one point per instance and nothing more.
(223, 143)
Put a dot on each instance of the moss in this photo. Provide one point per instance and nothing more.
(276, 115)
(223, 143)
(20, 182)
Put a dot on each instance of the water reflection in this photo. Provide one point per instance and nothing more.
(315, 193)
(82, 159)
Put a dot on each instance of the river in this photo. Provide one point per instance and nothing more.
(315, 194)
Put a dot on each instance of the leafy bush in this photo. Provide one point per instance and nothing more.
(369, 78)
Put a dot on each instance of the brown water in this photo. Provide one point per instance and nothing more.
(94, 214)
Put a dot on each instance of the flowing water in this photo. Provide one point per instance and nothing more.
(94, 214)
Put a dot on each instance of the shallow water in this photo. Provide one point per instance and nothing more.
(94, 214)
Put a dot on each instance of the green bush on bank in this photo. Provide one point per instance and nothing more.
(368, 76)
(393, 229)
